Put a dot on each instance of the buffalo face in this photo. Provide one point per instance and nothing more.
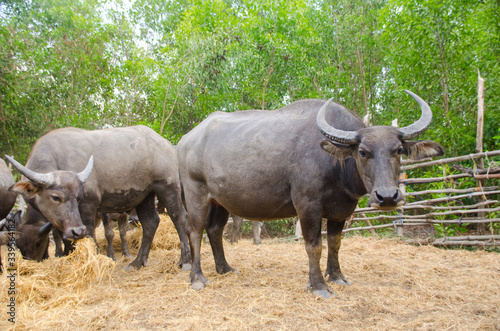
(377, 151)
(56, 195)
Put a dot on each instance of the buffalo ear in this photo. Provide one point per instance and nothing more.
(339, 151)
(26, 188)
(421, 149)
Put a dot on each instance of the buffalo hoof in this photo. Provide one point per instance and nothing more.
(198, 285)
(323, 293)
(343, 281)
(186, 267)
(134, 265)
(128, 267)
(338, 278)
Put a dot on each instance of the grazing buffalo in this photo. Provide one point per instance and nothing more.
(124, 168)
(34, 243)
(278, 164)
(35, 230)
(107, 220)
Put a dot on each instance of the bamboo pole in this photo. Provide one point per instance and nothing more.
(480, 116)
(484, 237)
(430, 201)
(479, 137)
(429, 215)
(410, 181)
(391, 225)
(453, 190)
(450, 160)
(464, 243)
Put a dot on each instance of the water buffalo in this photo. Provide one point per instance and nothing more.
(7, 198)
(7, 201)
(278, 164)
(34, 243)
(124, 168)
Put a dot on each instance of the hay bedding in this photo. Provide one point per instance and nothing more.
(395, 286)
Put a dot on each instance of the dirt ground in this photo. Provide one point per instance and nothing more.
(395, 286)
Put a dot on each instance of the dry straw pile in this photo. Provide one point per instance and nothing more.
(395, 286)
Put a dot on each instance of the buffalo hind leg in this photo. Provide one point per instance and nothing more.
(334, 231)
(216, 220)
(170, 196)
(311, 231)
(235, 231)
(149, 219)
(197, 206)
(109, 234)
(256, 225)
(122, 227)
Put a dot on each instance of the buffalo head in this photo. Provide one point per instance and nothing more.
(56, 195)
(377, 151)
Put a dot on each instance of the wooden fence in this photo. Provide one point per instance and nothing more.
(450, 204)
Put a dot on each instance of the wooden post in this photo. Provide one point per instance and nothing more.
(479, 137)
(398, 223)
(480, 117)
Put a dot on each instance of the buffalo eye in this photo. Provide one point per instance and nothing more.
(362, 153)
(401, 151)
(56, 198)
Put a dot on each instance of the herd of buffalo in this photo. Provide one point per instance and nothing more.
(312, 159)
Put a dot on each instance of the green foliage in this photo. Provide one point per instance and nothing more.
(450, 230)
(168, 64)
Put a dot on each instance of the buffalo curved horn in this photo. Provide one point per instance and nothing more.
(35, 177)
(423, 122)
(341, 136)
(85, 174)
(46, 228)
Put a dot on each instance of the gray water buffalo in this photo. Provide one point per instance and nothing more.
(278, 164)
(7, 201)
(124, 168)
(7, 198)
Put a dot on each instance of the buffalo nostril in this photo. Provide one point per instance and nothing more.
(78, 233)
(379, 197)
(395, 196)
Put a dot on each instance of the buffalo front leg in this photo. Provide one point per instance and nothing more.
(56, 234)
(216, 220)
(334, 232)
(311, 230)
(149, 219)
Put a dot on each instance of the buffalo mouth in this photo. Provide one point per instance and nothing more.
(74, 233)
(386, 198)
